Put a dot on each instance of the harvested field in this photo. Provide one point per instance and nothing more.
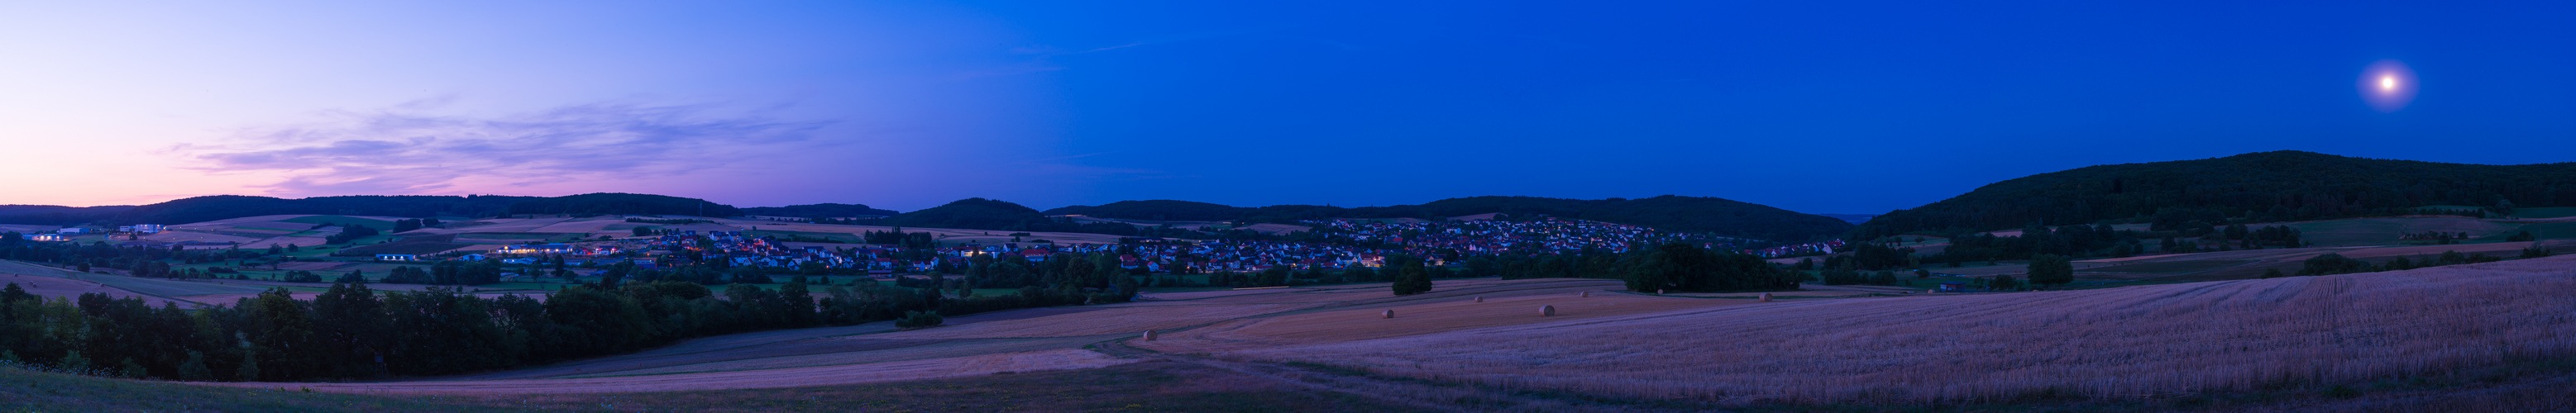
(66, 288)
(418, 244)
(146, 286)
(2121, 343)
(230, 299)
(492, 225)
(1112, 320)
(381, 223)
(1415, 317)
(2170, 266)
(855, 350)
(790, 377)
(285, 241)
(579, 226)
(313, 266)
(186, 236)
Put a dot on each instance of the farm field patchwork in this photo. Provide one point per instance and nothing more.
(2134, 340)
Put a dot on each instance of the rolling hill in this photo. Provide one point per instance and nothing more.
(220, 207)
(2261, 187)
(973, 213)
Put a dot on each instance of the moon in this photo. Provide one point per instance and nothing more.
(2387, 85)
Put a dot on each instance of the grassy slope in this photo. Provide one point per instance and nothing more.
(27, 391)
(1151, 386)
(147, 286)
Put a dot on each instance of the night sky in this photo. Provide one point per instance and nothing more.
(1812, 106)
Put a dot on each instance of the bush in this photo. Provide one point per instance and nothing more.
(919, 319)
(2331, 264)
(2051, 269)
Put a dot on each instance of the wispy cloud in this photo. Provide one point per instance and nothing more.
(401, 152)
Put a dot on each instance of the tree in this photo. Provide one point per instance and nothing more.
(1410, 277)
(1277, 275)
(2047, 269)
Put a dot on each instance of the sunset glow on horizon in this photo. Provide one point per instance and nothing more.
(909, 105)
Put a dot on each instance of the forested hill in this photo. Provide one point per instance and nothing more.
(2262, 187)
(56, 214)
(210, 208)
(622, 203)
(1670, 212)
(974, 213)
(820, 211)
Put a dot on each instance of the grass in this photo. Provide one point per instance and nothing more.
(146, 286)
(1142, 387)
(2384, 231)
(2551, 230)
(2544, 212)
(343, 221)
(2170, 266)
(794, 236)
(1150, 386)
(29, 391)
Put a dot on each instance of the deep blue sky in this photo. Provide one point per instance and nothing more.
(1813, 107)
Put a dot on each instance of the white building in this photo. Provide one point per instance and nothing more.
(396, 257)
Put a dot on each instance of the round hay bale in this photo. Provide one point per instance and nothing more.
(1546, 311)
(1480, 299)
(1584, 294)
(1149, 335)
(1387, 314)
(1659, 291)
(1766, 297)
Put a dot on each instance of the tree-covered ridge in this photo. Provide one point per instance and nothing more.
(973, 213)
(217, 207)
(820, 211)
(2259, 187)
(1670, 212)
(623, 203)
(220, 207)
(56, 214)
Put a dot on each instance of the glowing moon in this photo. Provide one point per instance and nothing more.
(2388, 85)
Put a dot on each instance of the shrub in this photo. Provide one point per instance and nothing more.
(919, 319)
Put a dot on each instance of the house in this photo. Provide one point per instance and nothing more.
(397, 257)
(72, 231)
(519, 261)
(48, 237)
(147, 228)
(536, 249)
(1952, 287)
(471, 257)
